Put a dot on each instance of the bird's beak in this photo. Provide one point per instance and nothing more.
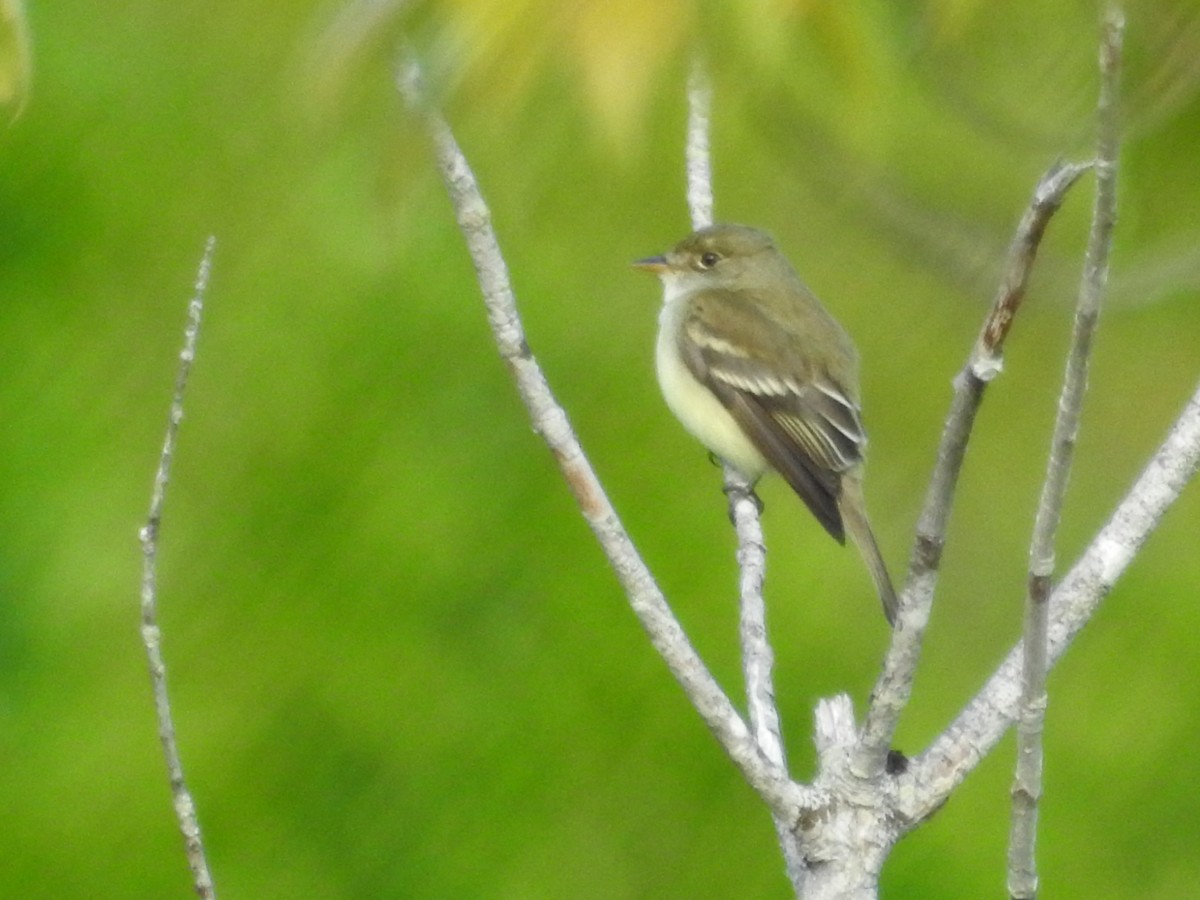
(655, 264)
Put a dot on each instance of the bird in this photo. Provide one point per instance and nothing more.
(765, 378)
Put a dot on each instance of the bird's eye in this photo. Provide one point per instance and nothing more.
(708, 260)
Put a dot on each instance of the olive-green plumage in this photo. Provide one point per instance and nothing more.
(756, 369)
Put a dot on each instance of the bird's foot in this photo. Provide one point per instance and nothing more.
(736, 492)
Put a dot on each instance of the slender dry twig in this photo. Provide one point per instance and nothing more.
(185, 808)
(758, 659)
(757, 656)
(550, 421)
(985, 361)
(963, 745)
(1027, 780)
(697, 153)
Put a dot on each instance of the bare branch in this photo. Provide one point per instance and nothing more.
(699, 158)
(758, 659)
(987, 356)
(550, 421)
(185, 808)
(894, 686)
(1027, 782)
(960, 748)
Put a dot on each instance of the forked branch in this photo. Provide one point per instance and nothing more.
(984, 363)
(969, 738)
(864, 804)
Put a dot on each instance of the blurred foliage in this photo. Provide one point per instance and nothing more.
(400, 667)
(16, 64)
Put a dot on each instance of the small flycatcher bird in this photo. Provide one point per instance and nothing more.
(756, 369)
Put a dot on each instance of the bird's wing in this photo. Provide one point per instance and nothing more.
(805, 426)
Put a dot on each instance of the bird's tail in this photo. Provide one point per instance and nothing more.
(854, 515)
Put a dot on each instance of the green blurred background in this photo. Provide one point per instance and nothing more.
(400, 666)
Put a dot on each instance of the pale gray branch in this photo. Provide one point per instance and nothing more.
(985, 361)
(960, 748)
(185, 807)
(758, 658)
(1027, 778)
(698, 155)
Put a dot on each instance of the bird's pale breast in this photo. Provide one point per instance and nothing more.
(692, 403)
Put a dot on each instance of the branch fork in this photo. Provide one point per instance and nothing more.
(837, 831)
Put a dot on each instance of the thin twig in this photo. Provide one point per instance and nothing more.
(185, 808)
(758, 659)
(697, 153)
(894, 686)
(962, 746)
(550, 421)
(1027, 780)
